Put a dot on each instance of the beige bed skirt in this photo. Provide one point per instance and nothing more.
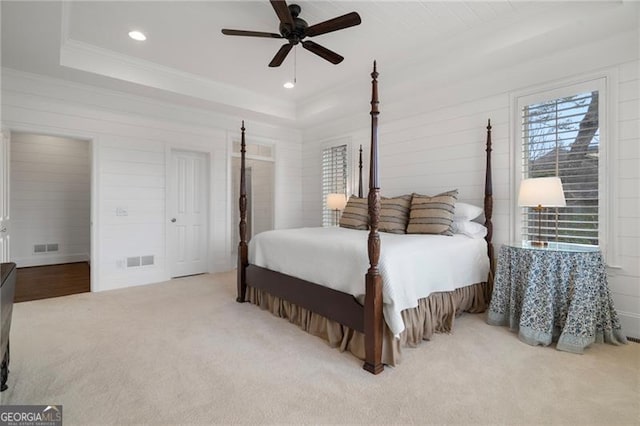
(434, 314)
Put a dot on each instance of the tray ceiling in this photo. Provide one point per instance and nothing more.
(186, 56)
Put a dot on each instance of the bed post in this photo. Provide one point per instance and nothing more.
(243, 253)
(488, 201)
(360, 174)
(373, 296)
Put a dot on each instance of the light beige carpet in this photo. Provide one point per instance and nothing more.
(185, 352)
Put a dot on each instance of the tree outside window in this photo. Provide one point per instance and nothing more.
(561, 137)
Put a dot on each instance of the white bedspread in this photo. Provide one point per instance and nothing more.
(412, 266)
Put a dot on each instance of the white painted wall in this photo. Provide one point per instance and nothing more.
(432, 137)
(50, 199)
(131, 139)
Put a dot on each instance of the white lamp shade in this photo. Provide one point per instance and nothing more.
(545, 192)
(336, 201)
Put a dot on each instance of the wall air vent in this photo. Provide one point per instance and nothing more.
(147, 260)
(136, 261)
(46, 248)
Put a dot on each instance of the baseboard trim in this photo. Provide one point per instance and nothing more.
(630, 322)
(50, 260)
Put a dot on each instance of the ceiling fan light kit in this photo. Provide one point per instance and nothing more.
(295, 30)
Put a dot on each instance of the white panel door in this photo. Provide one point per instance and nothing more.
(5, 239)
(188, 211)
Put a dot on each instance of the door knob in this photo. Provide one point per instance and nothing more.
(3, 229)
(173, 220)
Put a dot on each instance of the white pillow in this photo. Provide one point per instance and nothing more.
(464, 211)
(468, 228)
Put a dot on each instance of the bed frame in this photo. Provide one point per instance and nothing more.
(332, 304)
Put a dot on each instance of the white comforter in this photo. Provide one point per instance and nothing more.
(412, 266)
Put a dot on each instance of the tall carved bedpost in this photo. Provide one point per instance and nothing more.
(373, 297)
(488, 200)
(243, 252)
(360, 174)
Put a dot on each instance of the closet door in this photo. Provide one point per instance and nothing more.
(188, 227)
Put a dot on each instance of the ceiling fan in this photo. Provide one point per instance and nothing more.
(295, 29)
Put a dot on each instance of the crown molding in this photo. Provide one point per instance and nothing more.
(89, 58)
(132, 106)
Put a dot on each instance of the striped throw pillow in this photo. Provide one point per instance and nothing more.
(394, 214)
(355, 215)
(432, 215)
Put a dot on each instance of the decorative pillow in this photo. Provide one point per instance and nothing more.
(432, 215)
(394, 214)
(468, 228)
(466, 211)
(356, 214)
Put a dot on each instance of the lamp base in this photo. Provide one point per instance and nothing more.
(539, 243)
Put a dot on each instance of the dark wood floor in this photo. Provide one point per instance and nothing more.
(43, 282)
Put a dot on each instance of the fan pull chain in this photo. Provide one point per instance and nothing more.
(295, 63)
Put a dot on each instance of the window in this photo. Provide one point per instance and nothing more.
(334, 178)
(560, 136)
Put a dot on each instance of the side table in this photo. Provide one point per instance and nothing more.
(558, 292)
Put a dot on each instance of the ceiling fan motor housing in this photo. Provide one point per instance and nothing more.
(295, 30)
(298, 32)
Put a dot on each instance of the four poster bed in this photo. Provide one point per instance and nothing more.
(313, 276)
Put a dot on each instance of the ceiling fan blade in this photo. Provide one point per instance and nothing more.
(282, 53)
(344, 21)
(250, 33)
(323, 52)
(282, 10)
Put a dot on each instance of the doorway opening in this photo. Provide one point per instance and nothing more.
(260, 186)
(50, 208)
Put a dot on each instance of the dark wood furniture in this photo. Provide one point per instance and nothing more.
(332, 304)
(7, 292)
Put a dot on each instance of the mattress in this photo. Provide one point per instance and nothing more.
(412, 266)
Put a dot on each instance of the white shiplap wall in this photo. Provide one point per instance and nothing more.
(624, 281)
(131, 140)
(439, 144)
(132, 178)
(50, 199)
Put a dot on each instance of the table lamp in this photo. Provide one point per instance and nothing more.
(540, 193)
(336, 202)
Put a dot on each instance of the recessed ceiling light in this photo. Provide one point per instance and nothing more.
(137, 35)
(289, 85)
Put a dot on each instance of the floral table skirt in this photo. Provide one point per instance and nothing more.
(548, 295)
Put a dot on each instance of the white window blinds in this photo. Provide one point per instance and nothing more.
(334, 178)
(561, 137)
